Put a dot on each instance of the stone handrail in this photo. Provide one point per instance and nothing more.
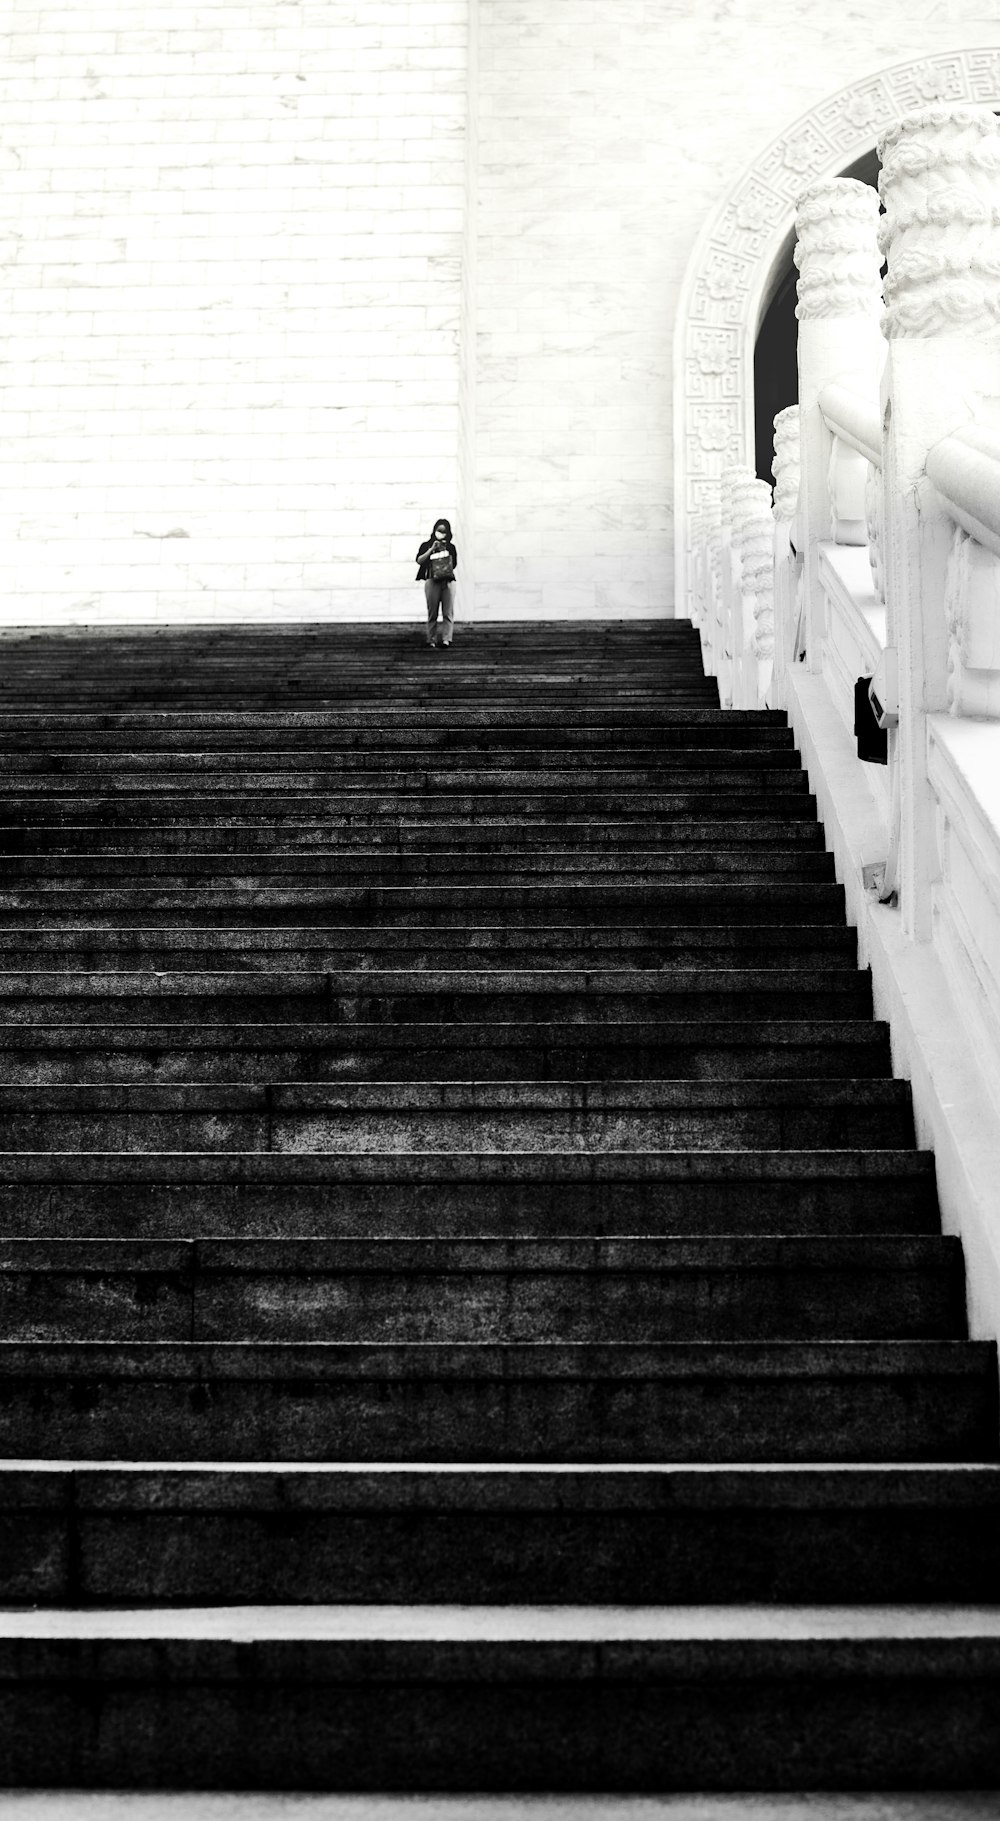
(853, 420)
(965, 469)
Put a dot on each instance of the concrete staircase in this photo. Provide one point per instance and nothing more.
(474, 1316)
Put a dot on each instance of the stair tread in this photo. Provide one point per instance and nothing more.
(473, 1166)
(480, 1627)
(587, 1255)
(325, 1361)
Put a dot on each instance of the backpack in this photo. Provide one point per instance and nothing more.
(439, 563)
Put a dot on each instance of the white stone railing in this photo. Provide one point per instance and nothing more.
(965, 470)
(886, 535)
(850, 569)
(741, 629)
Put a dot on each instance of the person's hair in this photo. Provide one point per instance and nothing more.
(447, 525)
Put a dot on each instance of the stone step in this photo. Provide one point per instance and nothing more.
(81, 1535)
(421, 684)
(446, 740)
(645, 736)
(501, 1699)
(914, 1400)
(483, 946)
(246, 874)
(371, 1292)
(115, 1194)
(552, 787)
(574, 1050)
(437, 821)
(722, 727)
(733, 901)
(312, 769)
(589, 844)
(406, 809)
(587, 1117)
(453, 996)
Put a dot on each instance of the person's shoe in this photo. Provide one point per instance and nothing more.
(445, 644)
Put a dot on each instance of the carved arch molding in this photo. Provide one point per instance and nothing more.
(728, 274)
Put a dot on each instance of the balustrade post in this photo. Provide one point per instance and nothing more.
(754, 538)
(940, 184)
(787, 565)
(727, 581)
(704, 535)
(839, 303)
(739, 508)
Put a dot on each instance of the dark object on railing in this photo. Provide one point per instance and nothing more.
(873, 742)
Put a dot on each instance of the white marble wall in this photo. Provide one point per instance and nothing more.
(263, 319)
(231, 240)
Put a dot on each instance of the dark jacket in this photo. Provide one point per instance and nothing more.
(423, 566)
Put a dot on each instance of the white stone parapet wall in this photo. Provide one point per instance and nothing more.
(904, 469)
(232, 248)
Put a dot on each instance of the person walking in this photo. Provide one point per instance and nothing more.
(437, 561)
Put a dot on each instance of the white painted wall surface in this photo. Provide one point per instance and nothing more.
(231, 239)
(246, 267)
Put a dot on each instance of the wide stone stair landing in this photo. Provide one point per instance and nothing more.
(474, 1316)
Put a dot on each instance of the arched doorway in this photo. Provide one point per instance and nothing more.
(736, 269)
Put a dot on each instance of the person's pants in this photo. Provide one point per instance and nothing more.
(443, 594)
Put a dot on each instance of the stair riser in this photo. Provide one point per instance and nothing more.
(190, 1554)
(87, 1415)
(142, 872)
(697, 769)
(518, 906)
(254, 1008)
(508, 1718)
(159, 1211)
(603, 1305)
(80, 951)
(755, 1129)
(505, 727)
(59, 807)
(414, 1052)
(285, 839)
(772, 798)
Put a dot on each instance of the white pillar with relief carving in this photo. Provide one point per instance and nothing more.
(787, 564)
(736, 488)
(753, 534)
(839, 306)
(940, 185)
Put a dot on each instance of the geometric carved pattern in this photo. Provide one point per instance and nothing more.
(728, 271)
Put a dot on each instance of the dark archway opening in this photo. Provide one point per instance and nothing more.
(775, 366)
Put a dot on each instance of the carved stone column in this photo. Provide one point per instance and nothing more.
(839, 307)
(838, 341)
(736, 490)
(941, 235)
(787, 455)
(733, 484)
(787, 565)
(755, 542)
